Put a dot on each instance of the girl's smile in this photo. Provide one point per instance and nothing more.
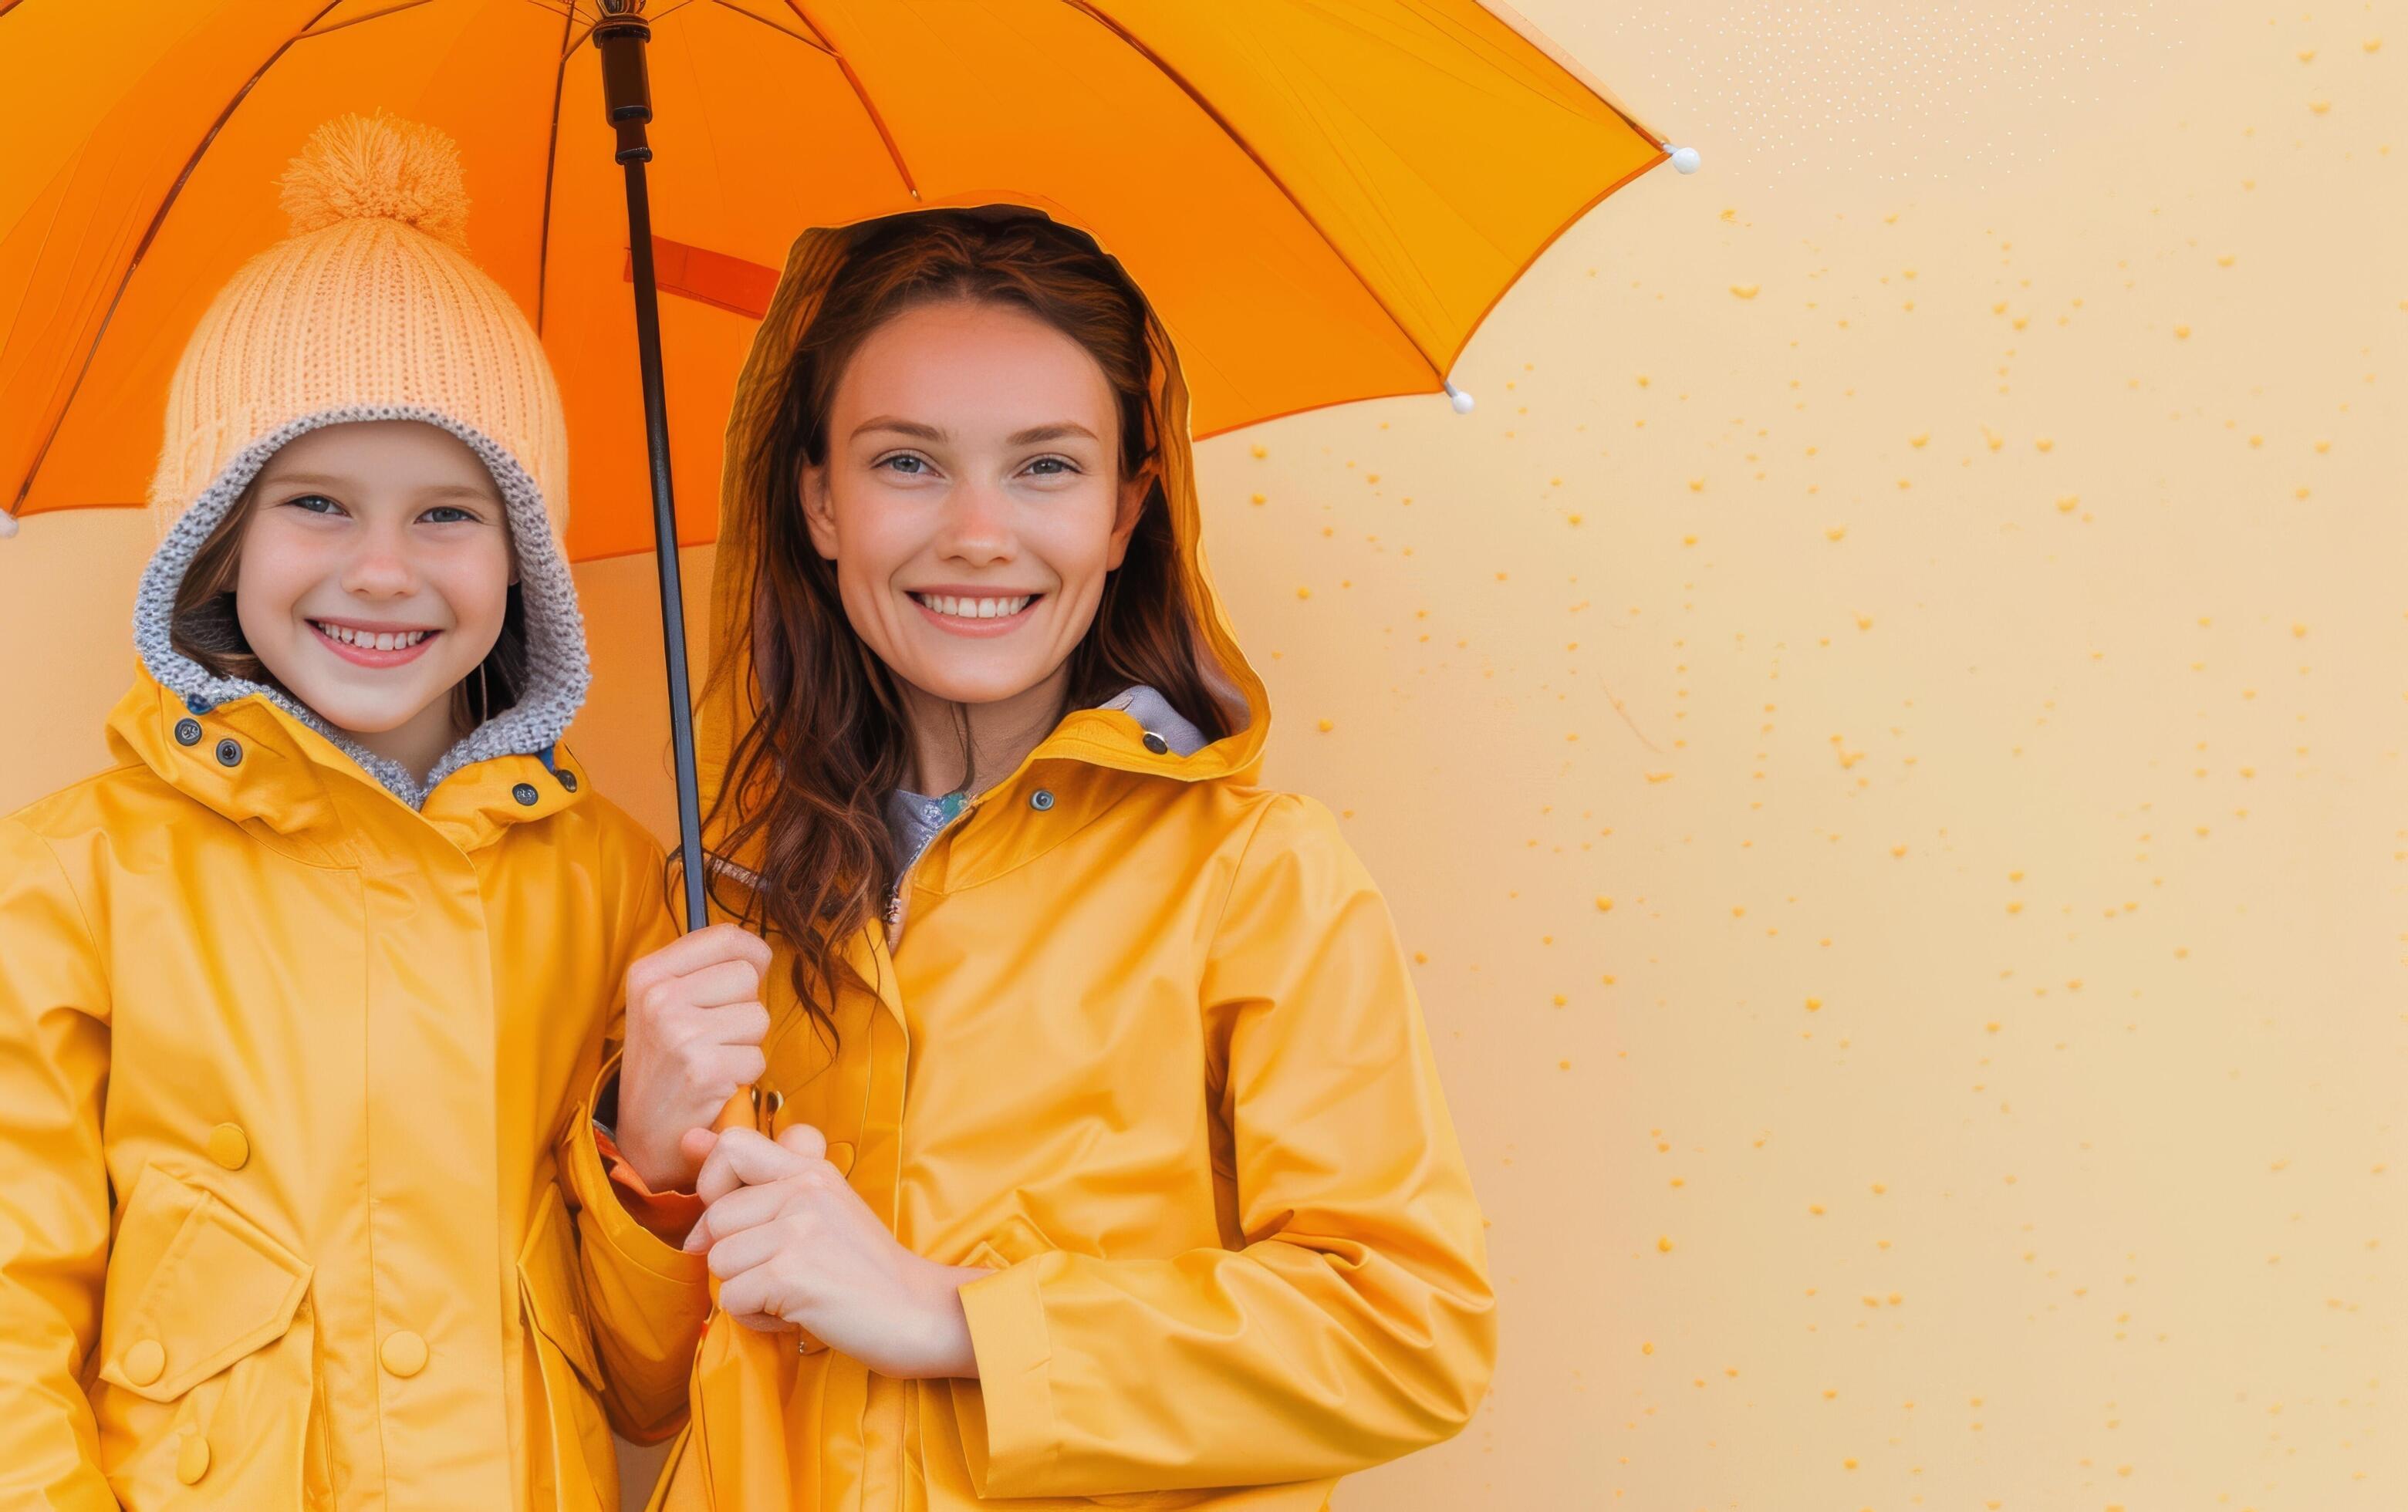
(373, 644)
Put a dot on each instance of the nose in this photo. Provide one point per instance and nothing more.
(978, 525)
(379, 565)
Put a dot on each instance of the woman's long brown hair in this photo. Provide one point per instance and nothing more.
(802, 797)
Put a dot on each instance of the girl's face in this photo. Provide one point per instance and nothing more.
(375, 574)
(971, 499)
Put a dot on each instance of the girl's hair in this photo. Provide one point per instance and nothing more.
(803, 793)
(204, 627)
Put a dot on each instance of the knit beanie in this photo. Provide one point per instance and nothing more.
(371, 310)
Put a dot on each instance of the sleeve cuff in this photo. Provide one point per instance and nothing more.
(668, 1216)
(1007, 1414)
(608, 1209)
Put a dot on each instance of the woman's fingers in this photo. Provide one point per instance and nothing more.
(804, 1141)
(720, 984)
(743, 1208)
(743, 1158)
(735, 1252)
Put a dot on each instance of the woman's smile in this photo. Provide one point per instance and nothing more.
(962, 611)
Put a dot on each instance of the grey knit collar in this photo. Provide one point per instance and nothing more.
(558, 669)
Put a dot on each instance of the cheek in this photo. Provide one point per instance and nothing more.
(275, 572)
(475, 585)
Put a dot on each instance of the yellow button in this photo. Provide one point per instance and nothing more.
(145, 1362)
(404, 1353)
(192, 1460)
(229, 1145)
(840, 1156)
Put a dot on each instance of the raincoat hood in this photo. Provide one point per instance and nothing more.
(1105, 736)
(558, 672)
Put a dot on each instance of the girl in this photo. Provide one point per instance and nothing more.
(298, 996)
(1109, 1163)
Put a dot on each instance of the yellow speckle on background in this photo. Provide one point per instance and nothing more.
(1744, 291)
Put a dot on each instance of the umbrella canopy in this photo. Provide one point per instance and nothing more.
(1321, 198)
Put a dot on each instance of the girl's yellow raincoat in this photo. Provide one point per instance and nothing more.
(1147, 1045)
(289, 1045)
(283, 1065)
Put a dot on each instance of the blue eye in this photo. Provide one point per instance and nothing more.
(448, 514)
(317, 503)
(1060, 465)
(918, 468)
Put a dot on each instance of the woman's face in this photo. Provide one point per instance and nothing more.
(374, 575)
(971, 499)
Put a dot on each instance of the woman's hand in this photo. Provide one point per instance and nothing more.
(794, 1247)
(694, 1025)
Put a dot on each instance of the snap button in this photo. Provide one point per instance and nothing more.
(404, 1353)
(229, 1145)
(568, 781)
(188, 732)
(1041, 800)
(229, 752)
(199, 706)
(146, 1362)
(524, 792)
(192, 1461)
(1156, 744)
(840, 1156)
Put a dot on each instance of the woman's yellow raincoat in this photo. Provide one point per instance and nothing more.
(1147, 1045)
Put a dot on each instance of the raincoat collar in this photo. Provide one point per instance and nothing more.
(255, 761)
(1104, 738)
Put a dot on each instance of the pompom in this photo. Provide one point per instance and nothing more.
(359, 168)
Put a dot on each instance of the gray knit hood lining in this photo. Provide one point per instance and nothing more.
(558, 672)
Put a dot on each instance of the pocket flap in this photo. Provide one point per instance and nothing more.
(193, 1286)
(555, 1300)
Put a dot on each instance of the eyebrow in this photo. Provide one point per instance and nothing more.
(920, 430)
(439, 491)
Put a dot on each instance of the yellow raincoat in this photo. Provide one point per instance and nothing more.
(1147, 1045)
(284, 1064)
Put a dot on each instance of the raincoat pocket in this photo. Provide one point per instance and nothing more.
(584, 1469)
(205, 1383)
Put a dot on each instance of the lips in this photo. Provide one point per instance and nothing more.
(373, 648)
(977, 617)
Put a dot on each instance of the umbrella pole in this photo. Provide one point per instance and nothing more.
(626, 94)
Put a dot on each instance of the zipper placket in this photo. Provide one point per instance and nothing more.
(896, 907)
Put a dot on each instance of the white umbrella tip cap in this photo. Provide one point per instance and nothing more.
(1460, 400)
(7, 525)
(1686, 159)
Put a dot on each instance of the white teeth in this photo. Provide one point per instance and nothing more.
(372, 640)
(975, 608)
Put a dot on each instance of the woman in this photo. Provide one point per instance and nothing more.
(1110, 1164)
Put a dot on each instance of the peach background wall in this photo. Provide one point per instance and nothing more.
(1885, 726)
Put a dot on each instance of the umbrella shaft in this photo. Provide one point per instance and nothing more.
(664, 542)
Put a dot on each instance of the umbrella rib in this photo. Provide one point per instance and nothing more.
(813, 43)
(373, 15)
(551, 168)
(844, 66)
(150, 234)
(1236, 139)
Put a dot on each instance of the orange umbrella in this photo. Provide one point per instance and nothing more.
(1321, 198)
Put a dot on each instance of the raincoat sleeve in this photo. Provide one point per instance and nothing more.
(55, 1006)
(647, 1299)
(1356, 1323)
